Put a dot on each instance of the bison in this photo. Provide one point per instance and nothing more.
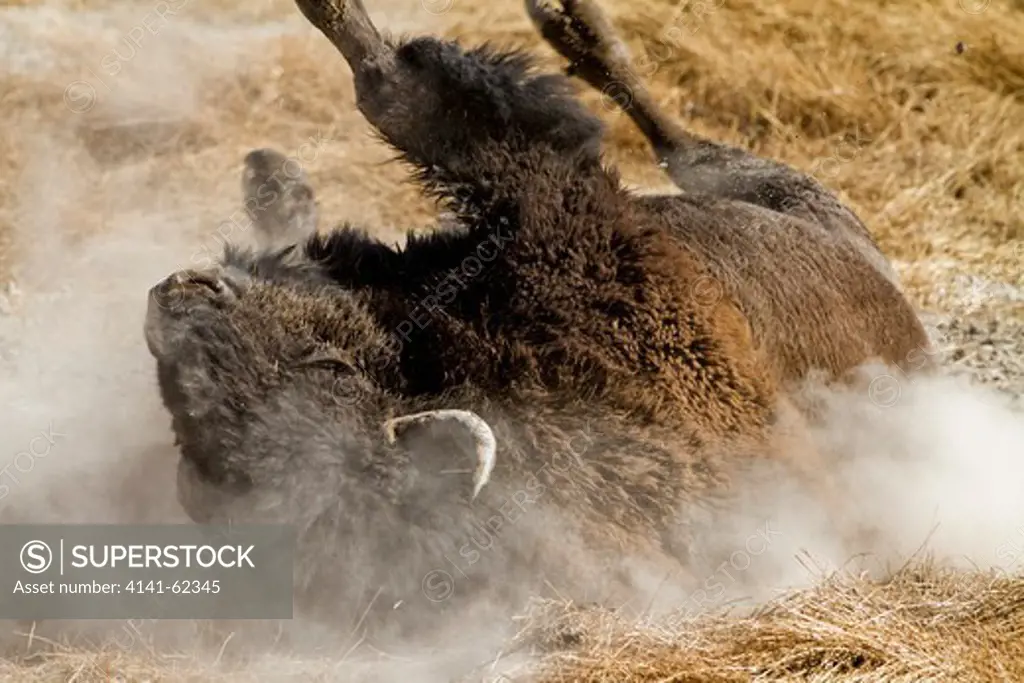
(328, 383)
(701, 308)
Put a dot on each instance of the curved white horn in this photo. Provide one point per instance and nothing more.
(486, 444)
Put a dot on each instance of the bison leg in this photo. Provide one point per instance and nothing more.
(466, 118)
(580, 32)
(278, 198)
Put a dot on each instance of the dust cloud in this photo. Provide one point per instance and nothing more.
(84, 438)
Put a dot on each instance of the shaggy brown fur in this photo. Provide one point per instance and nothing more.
(805, 271)
(277, 405)
(695, 309)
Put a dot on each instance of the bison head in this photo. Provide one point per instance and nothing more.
(281, 393)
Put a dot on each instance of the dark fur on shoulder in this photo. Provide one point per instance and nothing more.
(696, 309)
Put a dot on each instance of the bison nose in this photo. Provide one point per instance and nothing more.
(178, 289)
(173, 292)
(170, 300)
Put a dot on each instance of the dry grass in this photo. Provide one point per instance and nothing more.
(912, 110)
(921, 623)
(874, 98)
(871, 97)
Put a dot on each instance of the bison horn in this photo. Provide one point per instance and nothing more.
(486, 444)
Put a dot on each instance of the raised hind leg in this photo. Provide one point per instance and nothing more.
(581, 33)
(475, 123)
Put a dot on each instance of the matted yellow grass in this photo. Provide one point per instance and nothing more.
(921, 623)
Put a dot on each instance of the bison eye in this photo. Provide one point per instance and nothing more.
(327, 358)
